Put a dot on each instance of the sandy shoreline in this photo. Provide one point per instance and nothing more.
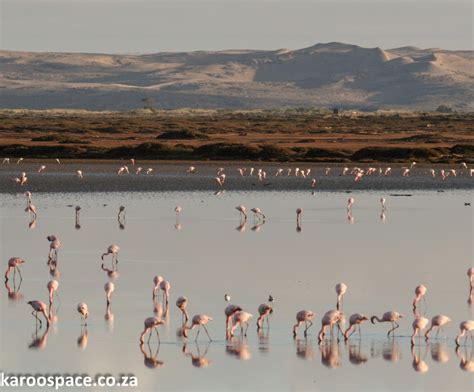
(172, 176)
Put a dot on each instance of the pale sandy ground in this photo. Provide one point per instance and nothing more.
(333, 74)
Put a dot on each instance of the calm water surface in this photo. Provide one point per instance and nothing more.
(426, 238)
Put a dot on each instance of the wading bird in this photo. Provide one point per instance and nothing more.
(264, 311)
(303, 316)
(240, 319)
(14, 264)
(330, 318)
(109, 288)
(418, 325)
(83, 311)
(465, 327)
(354, 322)
(39, 307)
(389, 317)
(151, 323)
(52, 286)
(200, 320)
(341, 290)
(182, 303)
(112, 250)
(242, 211)
(438, 321)
(420, 292)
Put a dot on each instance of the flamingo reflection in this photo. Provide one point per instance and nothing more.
(198, 360)
(304, 349)
(14, 293)
(151, 360)
(356, 357)
(238, 348)
(39, 342)
(439, 352)
(83, 338)
(467, 362)
(419, 364)
(330, 354)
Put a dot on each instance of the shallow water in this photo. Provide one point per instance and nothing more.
(426, 238)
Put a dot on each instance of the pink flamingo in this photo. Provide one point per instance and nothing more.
(229, 311)
(257, 212)
(109, 288)
(54, 245)
(14, 264)
(354, 322)
(112, 250)
(470, 274)
(52, 286)
(341, 290)
(303, 316)
(150, 324)
(242, 210)
(32, 210)
(350, 203)
(83, 311)
(39, 306)
(182, 303)
(162, 284)
(330, 318)
(419, 324)
(438, 321)
(420, 292)
(389, 317)
(240, 318)
(264, 310)
(200, 320)
(465, 326)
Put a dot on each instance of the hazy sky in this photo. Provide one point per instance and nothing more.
(135, 26)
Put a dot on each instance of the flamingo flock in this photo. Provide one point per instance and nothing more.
(235, 315)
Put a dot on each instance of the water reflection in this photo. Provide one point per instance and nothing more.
(121, 218)
(198, 360)
(109, 317)
(39, 342)
(83, 338)
(418, 363)
(263, 340)
(238, 347)
(330, 354)
(258, 225)
(304, 349)
(151, 360)
(14, 293)
(356, 356)
(466, 358)
(77, 225)
(241, 227)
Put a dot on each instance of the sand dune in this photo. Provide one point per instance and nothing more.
(328, 75)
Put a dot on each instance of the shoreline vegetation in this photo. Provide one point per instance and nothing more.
(289, 135)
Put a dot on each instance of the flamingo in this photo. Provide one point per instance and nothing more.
(303, 316)
(149, 171)
(438, 321)
(121, 213)
(54, 245)
(79, 174)
(178, 210)
(242, 211)
(41, 169)
(264, 310)
(52, 287)
(32, 210)
(355, 321)
(313, 183)
(419, 324)
(19, 161)
(83, 311)
(389, 317)
(227, 297)
(22, 179)
(132, 161)
(470, 274)
(29, 198)
(150, 324)
(299, 212)
(112, 250)
(257, 212)
(465, 326)
(109, 288)
(240, 318)
(6, 160)
(160, 283)
(229, 312)
(350, 203)
(191, 169)
(341, 289)
(420, 292)
(139, 170)
(200, 320)
(58, 161)
(14, 264)
(39, 306)
(382, 202)
(330, 318)
(182, 303)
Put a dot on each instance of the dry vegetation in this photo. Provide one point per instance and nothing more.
(295, 135)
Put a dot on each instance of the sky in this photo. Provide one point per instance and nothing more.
(146, 26)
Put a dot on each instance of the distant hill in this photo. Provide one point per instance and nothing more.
(323, 75)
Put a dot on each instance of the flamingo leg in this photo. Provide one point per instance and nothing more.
(36, 317)
(157, 334)
(245, 334)
(205, 329)
(199, 330)
(307, 327)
